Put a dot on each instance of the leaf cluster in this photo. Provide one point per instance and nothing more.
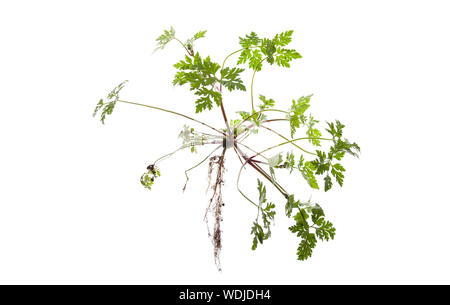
(107, 107)
(255, 50)
(309, 233)
(200, 74)
(169, 35)
(257, 117)
(165, 38)
(266, 210)
(325, 163)
(189, 44)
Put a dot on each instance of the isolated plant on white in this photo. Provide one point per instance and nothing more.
(317, 153)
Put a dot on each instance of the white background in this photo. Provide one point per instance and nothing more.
(72, 209)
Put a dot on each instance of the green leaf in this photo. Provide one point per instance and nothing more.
(306, 246)
(301, 217)
(289, 162)
(255, 61)
(249, 40)
(300, 105)
(230, 78)
(296, 112)
(206, 99)
(307, 169)
(267, 103)
(108, 107)
(275, 160)
(254, 48)
(338, 167)
(267, 215)
(328, 183)
(268, 49)
(338, 175)
(285, 56)
(283, 39)
(165, 38)
(290, 205)
(253, 56)
(200, 74)
(313, 133)
(326, 231)
(262, 192)
(199, 34)
(98, 107)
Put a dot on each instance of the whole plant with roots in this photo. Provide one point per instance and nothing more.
(320, 160)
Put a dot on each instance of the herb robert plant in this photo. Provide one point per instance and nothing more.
(320, 161)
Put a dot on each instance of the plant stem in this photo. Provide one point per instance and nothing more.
(261, 171)
(253, 78)
(173, 112)
(183, 147)
(222, 108)
(289, 141)
(223, 64)
(198, 164)
(184, 46)
(239, 190)
(259, 112)
(252, 150)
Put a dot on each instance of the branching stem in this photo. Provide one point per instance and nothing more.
(259, 112)
(173, 112)
(198, 164)
(288, 141)
(253, 78)
(291, 141)
(251, 162)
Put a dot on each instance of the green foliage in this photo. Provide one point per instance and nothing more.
(230, 78)
(165, 38)
(267, 103)
(148, 178)
(289, 162)
(268, 49)
(206, 96)
(274, 162)
(254, 48)
(108, 107)
(341, 145)
(290, 205)
(249, 40)
(207, 80)
(200, 74)
(296, 112)
(328, 183)
(189, 44)
(249, 52)
(256, 116)
(312, 132)
(285, 56)
(266, 209)
(324, 163)
(309, 233)
(307, 170)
